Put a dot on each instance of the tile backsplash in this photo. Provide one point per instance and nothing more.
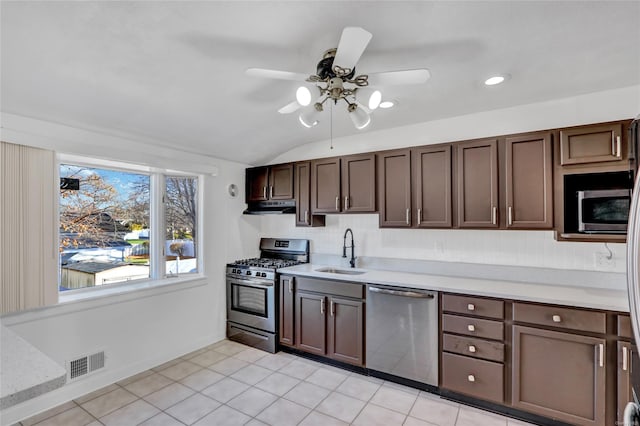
(516, 248)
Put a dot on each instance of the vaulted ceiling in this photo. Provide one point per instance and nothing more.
(173, 71)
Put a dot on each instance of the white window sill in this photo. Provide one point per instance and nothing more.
(82, 299)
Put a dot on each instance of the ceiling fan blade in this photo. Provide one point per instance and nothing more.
(279, 75)
(352, 43)
(289, 108)
(399, 77)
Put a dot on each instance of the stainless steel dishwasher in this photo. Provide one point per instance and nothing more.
(402, 332)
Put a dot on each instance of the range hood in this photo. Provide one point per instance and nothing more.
(271, 207)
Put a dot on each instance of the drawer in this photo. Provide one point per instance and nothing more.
(487, 329)
(624, 327)
(337, 288)
(553, 316)
(474, 377)
(490, 308)
(473, 347)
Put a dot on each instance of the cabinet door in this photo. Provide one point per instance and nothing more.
(257, 184)
(529, 186)
(281, 182)
(325, 186)
(287, 318)
(303, 193)
(346, 330)
(359, 183)
(592, 144)
(559, 375)
(310, 323)
(432, 186)
(626, 351)
(394, 188)
(477, 172)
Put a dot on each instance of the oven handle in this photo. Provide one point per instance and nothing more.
(254, 282)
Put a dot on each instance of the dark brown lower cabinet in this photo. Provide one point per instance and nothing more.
(559, 375)
(328, 318)
(311, 324)
(287, 304)
(626, 353)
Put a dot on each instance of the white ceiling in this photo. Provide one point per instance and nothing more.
(173, 72)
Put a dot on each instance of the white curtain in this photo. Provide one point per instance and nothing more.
(28, 234)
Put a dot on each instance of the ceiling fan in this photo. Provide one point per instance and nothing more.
(336, 80)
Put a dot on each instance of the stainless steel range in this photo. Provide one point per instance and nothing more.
(252, 286)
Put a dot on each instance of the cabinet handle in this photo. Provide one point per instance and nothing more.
(291, 285)
(613, 147)
(271, 191)
(471, 378)
(472, 349)
(494, 215)
(332, 309)
(419, 216)
(471, 327)
(306, 216)
(601, 354)
(322, 306)
(471, 307)
(346, 203)
(510, 215)
(556, 318)
(407, 216)
(337, 203)
(625, 358)
(619, 145)
(264, 192)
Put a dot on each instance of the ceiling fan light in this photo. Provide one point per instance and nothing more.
(375, 99)
(303, 96)
(387, 104)
(308, 118)
(360, 118)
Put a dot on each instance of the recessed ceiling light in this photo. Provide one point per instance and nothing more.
(496, 79)
(386, 104)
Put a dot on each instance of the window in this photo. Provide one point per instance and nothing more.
(115, 228)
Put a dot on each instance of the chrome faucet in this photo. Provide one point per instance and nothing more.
(352, 262)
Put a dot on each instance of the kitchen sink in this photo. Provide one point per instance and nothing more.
(331, 270)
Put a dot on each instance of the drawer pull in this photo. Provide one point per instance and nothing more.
(471, 378)
(472, 349)
(471, 327)
(556, 318)
(471, 307)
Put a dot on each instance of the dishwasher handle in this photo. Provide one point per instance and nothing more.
(404, 293)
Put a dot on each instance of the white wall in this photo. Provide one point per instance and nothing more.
(524, 248)
(143, 329)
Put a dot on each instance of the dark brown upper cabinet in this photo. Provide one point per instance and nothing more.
(529, 186)
(394, 188)
(477, 187)
(431, 170)
(303, 196)
(345, 184)
(269, 183)
(325, 185)
(592, 144)
(359, 183)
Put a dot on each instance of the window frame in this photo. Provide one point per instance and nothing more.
(157, 271)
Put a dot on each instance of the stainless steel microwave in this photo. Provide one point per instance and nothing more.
(604, 211)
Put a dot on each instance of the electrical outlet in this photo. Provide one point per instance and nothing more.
(604, 260)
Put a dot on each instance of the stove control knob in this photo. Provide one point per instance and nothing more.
(248, 273)
(264, 274)
(233, 271)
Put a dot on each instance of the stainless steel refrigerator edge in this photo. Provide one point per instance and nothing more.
(632, 411)
(402, 333)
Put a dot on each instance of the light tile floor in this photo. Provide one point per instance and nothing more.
(231, 384)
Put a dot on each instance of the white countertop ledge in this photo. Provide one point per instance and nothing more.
(25, 372)
(585, 297)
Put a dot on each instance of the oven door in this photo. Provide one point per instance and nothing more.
(251, 302)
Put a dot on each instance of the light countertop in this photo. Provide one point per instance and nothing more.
(612, 299)
(25, 372)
